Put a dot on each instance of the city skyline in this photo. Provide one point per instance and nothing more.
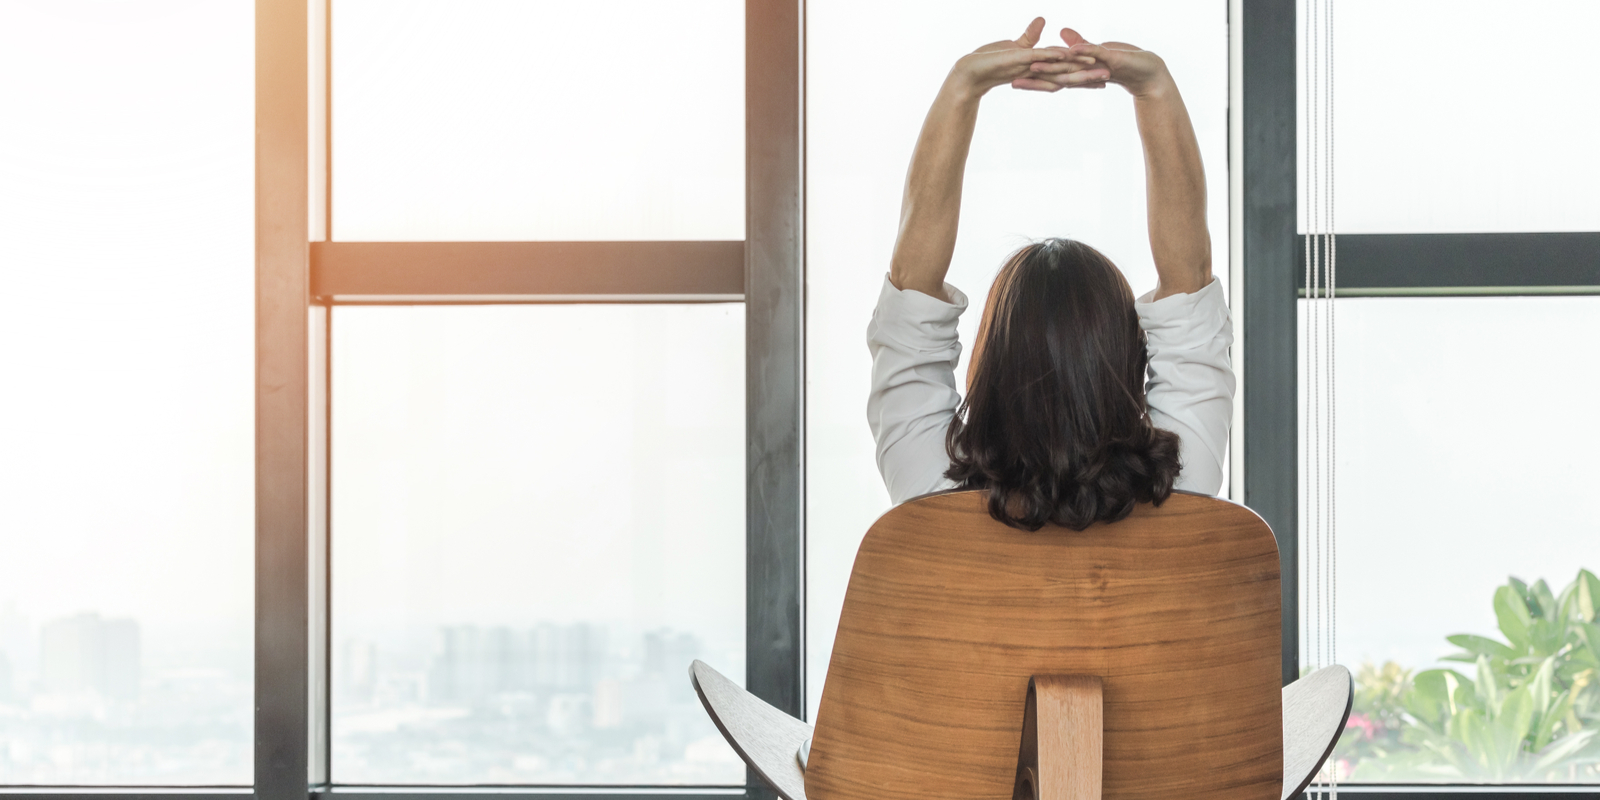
(544, 702)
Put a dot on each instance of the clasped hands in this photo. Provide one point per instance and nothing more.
(1077, 65)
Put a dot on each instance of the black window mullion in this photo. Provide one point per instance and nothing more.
(775, 360)
(1270, 392)
(1413, 264)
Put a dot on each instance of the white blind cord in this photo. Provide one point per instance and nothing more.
(1319, 562)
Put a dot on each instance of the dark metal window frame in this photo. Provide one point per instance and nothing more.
(1370, 265)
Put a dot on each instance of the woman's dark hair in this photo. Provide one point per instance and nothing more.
(1054, 425)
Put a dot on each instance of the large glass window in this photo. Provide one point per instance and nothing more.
(462, 120)
(126, 425)
(1078, 144)
(1479, 149)
(1465, 564)
(1464, 469)
(538, 522)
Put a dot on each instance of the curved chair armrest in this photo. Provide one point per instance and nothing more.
(766, 738)
(1315, 709)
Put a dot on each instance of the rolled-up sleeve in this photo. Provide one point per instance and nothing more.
(1191, 384)
(914, 346)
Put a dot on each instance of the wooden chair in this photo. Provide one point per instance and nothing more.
(1138, 659)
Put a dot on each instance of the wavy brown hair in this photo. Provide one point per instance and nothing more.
(1054, 425)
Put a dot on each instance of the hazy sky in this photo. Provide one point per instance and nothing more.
(126, 316)
(516, 464)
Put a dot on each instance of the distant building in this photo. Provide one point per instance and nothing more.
(357, 672)
(566, 657)
(89, 653)
(608, 704)
(476, 663)
(666, 653)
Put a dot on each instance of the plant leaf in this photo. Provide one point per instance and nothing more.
(1512, 611)
(1431, 699)
(1539, 689)
(1511, 727)
(1588, 594)
(1479, 645)
(1589, 633)
(1541, 601)
(1546, 636)
(1564, 748)
(1488, 688)
(1472, 731)
(1550, 719)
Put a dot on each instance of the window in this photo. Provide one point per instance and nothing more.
(1500, 153)
(466, 194)
(448, 117)
(534, 533)
(1461, 468)
(126, 291)
(539, 297)
(1467, 292)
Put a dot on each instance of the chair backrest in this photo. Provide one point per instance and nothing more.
(948, 613)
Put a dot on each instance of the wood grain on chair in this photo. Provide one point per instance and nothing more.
(766, 738)
(1063, 724)
(949, 613)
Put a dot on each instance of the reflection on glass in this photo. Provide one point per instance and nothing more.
(1503, 151)
(1465, 461)
(538, 523)
(127, 420)
(1071, 145)
(510, 120)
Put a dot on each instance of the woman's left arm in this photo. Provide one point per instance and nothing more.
(1186, 322)
(1175, 179)
(931, 206)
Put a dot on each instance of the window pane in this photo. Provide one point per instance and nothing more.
(1476, 147)
(1465, 460)
(538, 523)
(127, 424)
(547, 120)
(1078, 144)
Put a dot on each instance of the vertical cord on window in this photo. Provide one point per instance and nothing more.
(1319, 561)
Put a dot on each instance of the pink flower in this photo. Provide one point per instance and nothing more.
(1368, 728)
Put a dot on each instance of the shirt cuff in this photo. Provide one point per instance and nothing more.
(917, 320)
(1180, 304)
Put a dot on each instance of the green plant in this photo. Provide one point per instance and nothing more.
(1529, 712)
(1377, 716)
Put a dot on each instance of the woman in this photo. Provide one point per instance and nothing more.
(1082, 402)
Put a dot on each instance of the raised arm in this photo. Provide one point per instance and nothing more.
(1175, 180)
(931, 207)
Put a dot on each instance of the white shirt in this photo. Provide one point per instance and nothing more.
(915, 349)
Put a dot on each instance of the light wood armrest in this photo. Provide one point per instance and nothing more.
(1063, 728)
(766, 738)
(1315, 709)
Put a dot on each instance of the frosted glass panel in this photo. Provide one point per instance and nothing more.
(1081, 146)
(538, 120)
(1437, 134)
(538, 523)
(1465, 459)
(127, 344)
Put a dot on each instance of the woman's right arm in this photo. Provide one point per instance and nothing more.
(931, 206)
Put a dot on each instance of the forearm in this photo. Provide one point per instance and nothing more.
(1175, 191)
(931, 208)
